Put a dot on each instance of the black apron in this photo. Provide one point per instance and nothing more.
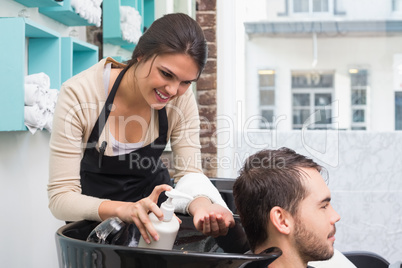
(128, 177)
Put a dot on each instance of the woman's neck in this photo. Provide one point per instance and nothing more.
(128, 93)
(131, 114)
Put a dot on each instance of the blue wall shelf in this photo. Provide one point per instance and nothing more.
(39, 3)
(77, 56)
(111, 23)
(111, 19)
(149, 13)
(64, 14)
(26, 42)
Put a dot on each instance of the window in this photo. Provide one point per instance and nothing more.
(398, 110)
(267, 97)
(310, 6)
(397, 5)
(312, 97)
(339, 7)
(359, 86)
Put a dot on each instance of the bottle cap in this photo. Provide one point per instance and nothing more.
(167, 206)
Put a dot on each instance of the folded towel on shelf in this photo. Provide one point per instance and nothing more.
(42, 80)
(32, 94)
(89, 10)
(51, 99)
(40, 102)
(130, 24)
(48, 121)
(35, 118)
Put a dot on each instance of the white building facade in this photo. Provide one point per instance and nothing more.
(322, 77)
(343, 58)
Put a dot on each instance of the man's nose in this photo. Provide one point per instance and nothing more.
(335, 217)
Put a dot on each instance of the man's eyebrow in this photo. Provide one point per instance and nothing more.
(173, 74)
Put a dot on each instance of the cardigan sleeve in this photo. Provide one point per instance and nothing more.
(196, 185)
(185, 136)
(185, 139)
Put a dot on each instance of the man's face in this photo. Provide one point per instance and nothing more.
(314, 232)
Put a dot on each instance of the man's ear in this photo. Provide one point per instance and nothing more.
(281, 220)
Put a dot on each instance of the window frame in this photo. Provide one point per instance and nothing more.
(335, 7)
(398, 126)
(264, 107)
(313, 91)
(394, 10)
(311, 12)
(364, 107)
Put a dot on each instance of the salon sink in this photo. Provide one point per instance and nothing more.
(191, 248)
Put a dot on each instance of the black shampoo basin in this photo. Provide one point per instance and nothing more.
(191, 249)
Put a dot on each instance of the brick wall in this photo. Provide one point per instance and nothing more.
(206, 87)
(95, 37)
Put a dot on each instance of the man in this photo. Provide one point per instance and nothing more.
(283, 202)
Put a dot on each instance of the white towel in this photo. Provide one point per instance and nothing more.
(196, 185)
(35, 118)
(130, 24)
(40, 79)
(49, 121)
(42, 100)
(51, 99)
(89, 10)
(31, 94)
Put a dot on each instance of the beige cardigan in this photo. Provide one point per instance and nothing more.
(80, 102)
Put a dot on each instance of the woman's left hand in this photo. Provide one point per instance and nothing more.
(211, 219)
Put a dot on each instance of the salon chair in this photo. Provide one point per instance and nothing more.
(366, 259)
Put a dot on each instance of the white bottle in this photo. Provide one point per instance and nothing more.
(167, 228)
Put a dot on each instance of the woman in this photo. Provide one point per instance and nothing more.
(112, 123)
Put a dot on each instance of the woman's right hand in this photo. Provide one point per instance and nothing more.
(137, 212)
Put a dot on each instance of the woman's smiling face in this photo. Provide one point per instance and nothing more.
(165, 77)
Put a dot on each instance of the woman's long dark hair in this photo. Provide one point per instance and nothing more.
(172, 33)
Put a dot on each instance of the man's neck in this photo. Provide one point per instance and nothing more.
(290, 258)
(283, 262)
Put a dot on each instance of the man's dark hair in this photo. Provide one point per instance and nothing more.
(269, 178)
